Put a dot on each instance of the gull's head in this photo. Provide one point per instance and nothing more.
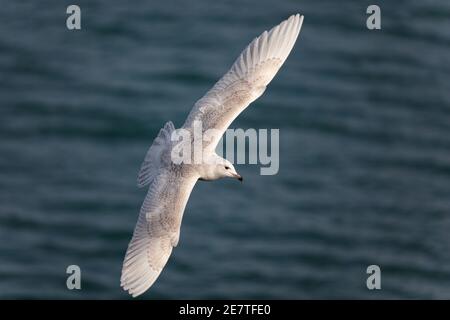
(220, 168)
(228, 170)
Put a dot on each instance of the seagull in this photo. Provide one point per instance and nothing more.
(170, 184)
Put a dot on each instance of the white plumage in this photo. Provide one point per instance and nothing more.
(158, 228)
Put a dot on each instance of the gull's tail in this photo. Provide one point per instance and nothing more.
(152, 162)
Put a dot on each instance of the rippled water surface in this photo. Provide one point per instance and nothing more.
(364, 119)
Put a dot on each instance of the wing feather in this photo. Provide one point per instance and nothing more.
(156, 232)
(247, 78)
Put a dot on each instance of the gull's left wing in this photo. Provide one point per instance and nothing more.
(157, 230)
(246, 80)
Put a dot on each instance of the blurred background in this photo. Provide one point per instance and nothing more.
(364, 119)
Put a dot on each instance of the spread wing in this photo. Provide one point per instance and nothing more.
(157, 230)
(246, 80)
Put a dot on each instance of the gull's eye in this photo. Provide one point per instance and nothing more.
(226, 168)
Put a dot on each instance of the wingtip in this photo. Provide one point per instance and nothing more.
(134, 293)
(298, 18)
(301, 17)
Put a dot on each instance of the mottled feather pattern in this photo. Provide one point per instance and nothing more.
(156, 231)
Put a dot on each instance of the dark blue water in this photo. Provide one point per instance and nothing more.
(364, 119)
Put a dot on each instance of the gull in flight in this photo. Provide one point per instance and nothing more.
(170, 184)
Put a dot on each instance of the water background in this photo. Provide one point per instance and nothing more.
(364, 119)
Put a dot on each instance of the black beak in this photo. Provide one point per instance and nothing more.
(237, 176)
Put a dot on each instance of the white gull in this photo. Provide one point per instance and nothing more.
(158, 228)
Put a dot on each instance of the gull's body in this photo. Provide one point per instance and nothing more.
(158, 227)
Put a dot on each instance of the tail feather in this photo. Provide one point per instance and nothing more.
(152, 162)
